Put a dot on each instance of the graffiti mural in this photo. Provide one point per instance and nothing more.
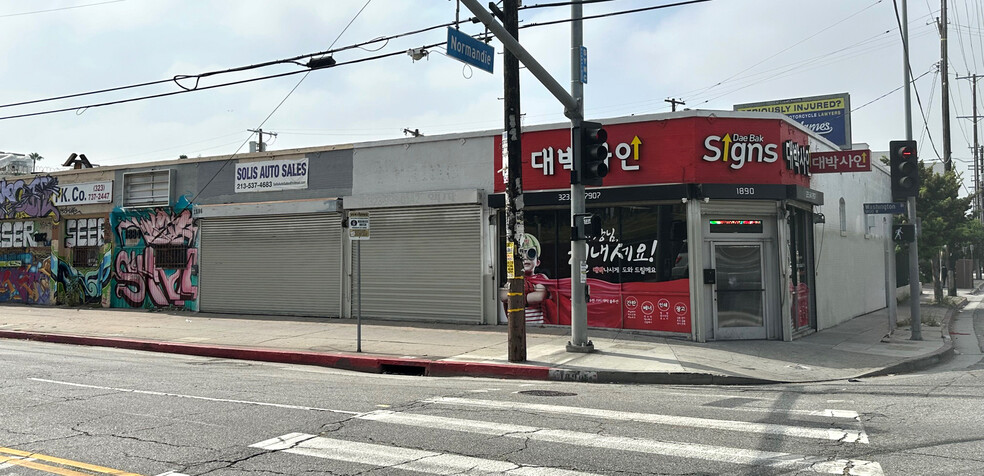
(29, 199)
(82, 285)
(156, 260)
(25, 278)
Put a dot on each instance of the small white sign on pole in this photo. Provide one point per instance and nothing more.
(359, 225)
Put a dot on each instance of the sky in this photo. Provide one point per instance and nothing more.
(710, 55)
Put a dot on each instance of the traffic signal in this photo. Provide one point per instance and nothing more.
(590, 153)
(904, 161)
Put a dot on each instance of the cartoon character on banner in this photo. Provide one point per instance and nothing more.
(536, 293)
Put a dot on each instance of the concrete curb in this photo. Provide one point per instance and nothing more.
(654, 378)
(942, 355)
(401, 365)
(357, 363)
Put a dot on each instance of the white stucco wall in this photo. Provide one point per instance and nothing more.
(451, 162)
(851, 262)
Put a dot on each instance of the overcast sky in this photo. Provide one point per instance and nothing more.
(710, 55)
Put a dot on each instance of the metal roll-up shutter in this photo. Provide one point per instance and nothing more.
(287, 265)
(423, 263)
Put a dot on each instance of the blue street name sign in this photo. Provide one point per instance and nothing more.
(891, 208)
(584, 65)
(469, 50)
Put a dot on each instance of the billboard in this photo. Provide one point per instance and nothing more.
(829, 116)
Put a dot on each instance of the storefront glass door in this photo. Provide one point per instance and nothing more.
(739, 291)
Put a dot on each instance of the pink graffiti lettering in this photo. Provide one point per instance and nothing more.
(162, 228)
(139, 278)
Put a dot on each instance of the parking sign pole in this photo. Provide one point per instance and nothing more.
(358, 319)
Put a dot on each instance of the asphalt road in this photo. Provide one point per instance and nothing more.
(75, 410)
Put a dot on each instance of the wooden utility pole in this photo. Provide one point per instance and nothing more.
(978, 166)
(944, 70)
(674, 102)
(260, 146)
(512, 150)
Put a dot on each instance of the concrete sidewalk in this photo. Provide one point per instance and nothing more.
(856, 348)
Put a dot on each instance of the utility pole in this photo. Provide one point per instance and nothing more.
(951, 283)
(260, 146)
(944, 69)
(914, 292)
(674, 102)
(977, 156)
(512, 151)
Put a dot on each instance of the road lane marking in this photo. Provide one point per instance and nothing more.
(193, 397)
(835, 434)
(846, 414)
(24, 458)
(394, 457)
(640, 445)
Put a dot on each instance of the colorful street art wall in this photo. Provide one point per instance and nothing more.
(83, 271)
(25, 261)
(20, 198)
(82, 285)
(25, 277)
(156, 262)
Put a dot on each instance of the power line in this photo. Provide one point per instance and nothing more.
(293, 59)
(908, 67)
(612, 14)
(58, 9)
(281, 103)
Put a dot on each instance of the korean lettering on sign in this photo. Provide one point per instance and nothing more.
(841, 161)
(547, 158)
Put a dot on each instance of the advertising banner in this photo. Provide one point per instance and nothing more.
(637, 271)
(272, 175)
(829, 116)
(84, 193)
(682, 150)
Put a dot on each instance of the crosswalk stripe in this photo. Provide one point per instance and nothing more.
(640, 445)
(401, 458)
(835, 434)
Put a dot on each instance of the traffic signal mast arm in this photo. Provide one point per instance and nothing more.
(571, 106)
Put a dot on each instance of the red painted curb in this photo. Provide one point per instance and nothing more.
(357, 363)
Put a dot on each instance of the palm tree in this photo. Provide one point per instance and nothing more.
(35, 157)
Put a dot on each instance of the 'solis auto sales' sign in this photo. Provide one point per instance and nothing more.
(272, 175)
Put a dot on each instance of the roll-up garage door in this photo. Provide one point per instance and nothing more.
(289, 265)
(423, 263)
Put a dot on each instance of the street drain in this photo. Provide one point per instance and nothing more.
(547, 393)
(399, 369)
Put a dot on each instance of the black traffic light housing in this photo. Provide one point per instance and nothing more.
(904, 161)
(587, 226)
(590, 153)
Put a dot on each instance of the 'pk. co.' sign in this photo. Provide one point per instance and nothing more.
(84, 193)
